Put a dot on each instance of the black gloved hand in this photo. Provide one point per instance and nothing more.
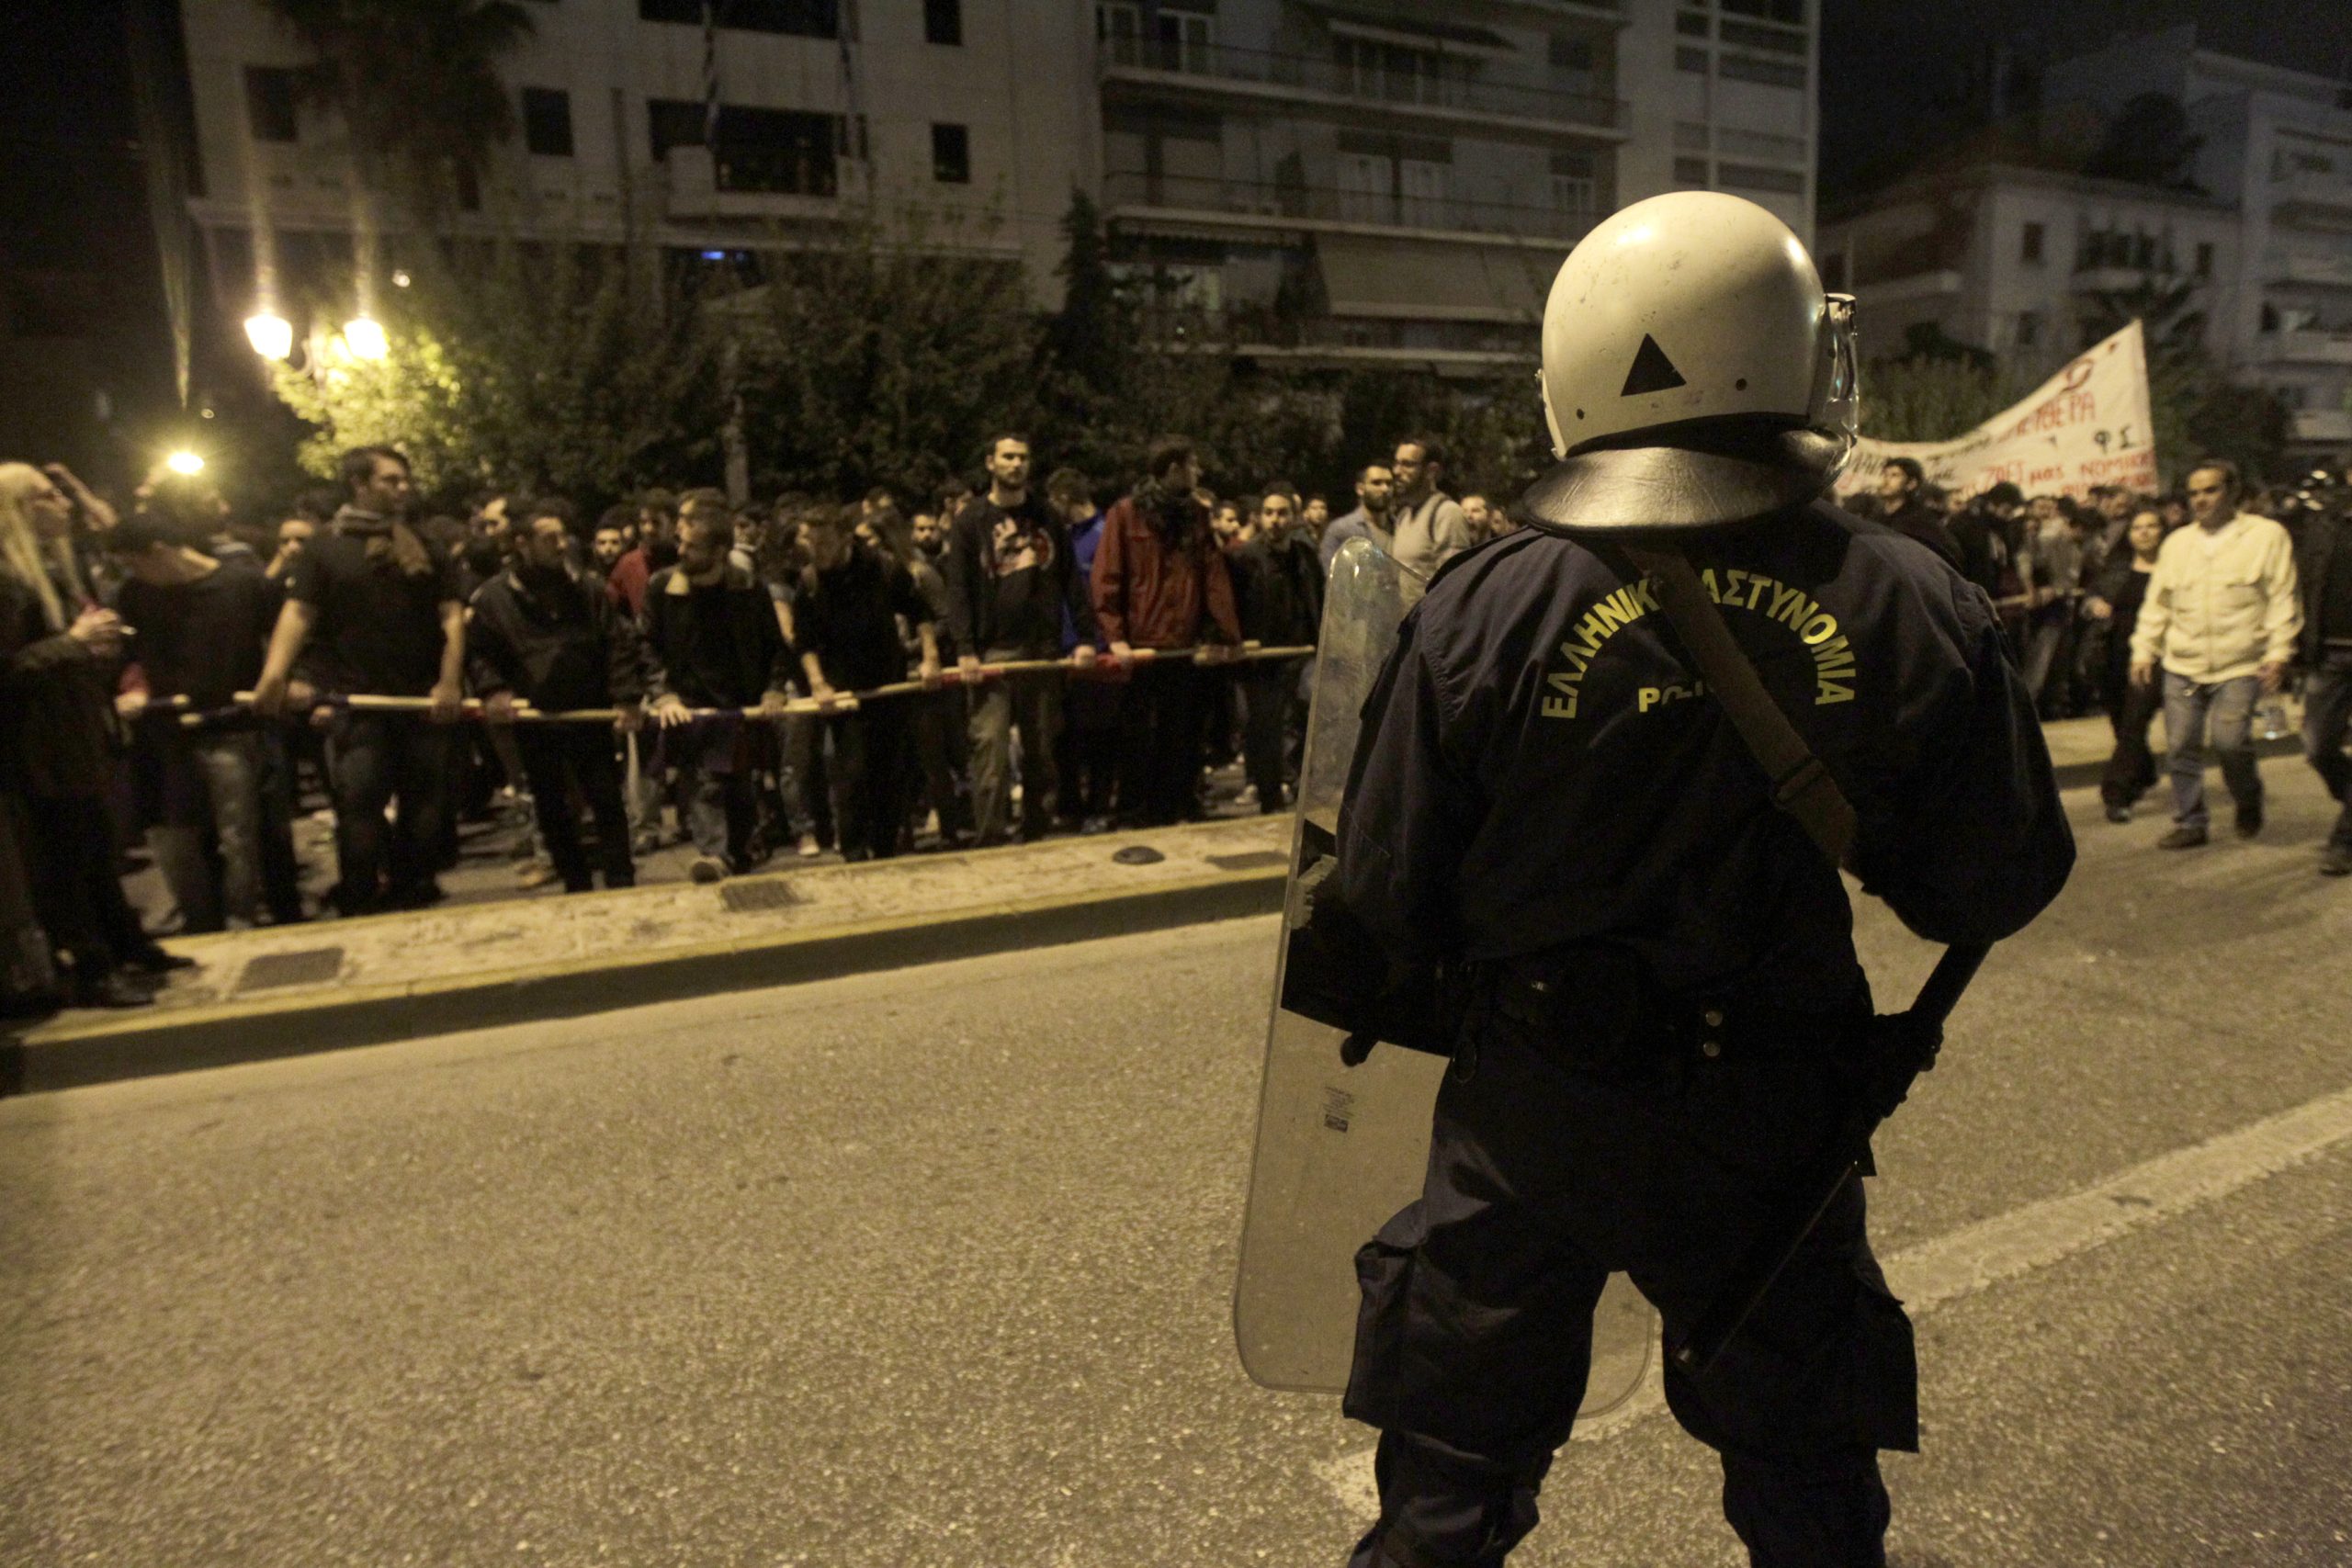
(1894, 1050)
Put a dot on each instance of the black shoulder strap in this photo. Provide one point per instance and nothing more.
(1800, 785)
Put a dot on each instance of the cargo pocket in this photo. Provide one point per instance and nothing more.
(1886, 1396)
(1383, 1275)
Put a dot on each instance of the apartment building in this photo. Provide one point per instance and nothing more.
(2022, 260)
(1319, 182)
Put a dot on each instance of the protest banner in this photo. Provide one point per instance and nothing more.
(2089, 424)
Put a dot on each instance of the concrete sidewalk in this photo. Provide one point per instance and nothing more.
(496, 960)
(283, 990)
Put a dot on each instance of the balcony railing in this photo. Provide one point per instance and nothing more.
(2328, 192)
(2308, 346)
(1484, 94)
(1264, 327)
(1311, 204)
(2304, 266)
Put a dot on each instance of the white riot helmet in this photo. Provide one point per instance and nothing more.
(1694, 372)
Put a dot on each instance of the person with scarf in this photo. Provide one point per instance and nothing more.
(382, 611)
(1160, 582)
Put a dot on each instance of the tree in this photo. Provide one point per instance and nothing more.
(417, 82)
(1928, 397)
(541, 367)
(887, 354)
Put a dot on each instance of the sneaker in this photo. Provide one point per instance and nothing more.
(537, 873)
(707, 869)
(2336, 860)
(810, 848)
(2119, 813)
(2249, 822)
(153, 962)
(2182, 839)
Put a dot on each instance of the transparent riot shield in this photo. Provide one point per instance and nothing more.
(1340, 1149)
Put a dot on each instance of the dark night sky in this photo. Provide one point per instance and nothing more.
(1893, 70)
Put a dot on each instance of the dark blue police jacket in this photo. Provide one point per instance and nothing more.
(1540, 763)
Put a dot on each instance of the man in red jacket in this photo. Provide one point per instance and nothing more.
(1161, 583)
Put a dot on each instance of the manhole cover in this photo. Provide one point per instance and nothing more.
(767, 893)
(1250, 862)
(311, 966)
(1138, 854)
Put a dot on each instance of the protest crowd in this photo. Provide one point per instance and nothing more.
(1000, 661)
(1006, 660)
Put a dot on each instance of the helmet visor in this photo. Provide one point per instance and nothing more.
(1837, 410)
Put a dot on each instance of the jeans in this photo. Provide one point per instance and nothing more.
(1267, 690)
(1086, 760)
(2328, 715)
(941, 729)
(556, 757)
(1033, 702)
(229, 767)
(377, 758)
(715, 778)
(2131, 768)
(870, 779)
(1161, 737)
(2226, 708)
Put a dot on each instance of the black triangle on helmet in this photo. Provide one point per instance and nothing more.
(1652, 371)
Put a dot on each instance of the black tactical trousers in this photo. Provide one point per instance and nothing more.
(1473, 1345)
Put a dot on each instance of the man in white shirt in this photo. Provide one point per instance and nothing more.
(2221, 619)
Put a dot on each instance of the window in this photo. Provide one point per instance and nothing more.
(1753, 177)
(1574, 188)
(1772, 73)
(951, 154)
(942, 21)
(2205, 259)
(800, 19)
(1789, 13)
(1754, 37)
(1690, 171)
(1569, 52)
(1182, 42)
(783, 151)
(1833, 272)
(2029, 330)
(2030, 249)
(1396, 72)
(1691, 24)
(547, 122)
(270, 104)
(1691, 59)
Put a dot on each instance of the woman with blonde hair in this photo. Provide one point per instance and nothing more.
(58, 743)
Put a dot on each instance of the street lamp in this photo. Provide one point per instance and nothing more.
(365, 337)
(271, 334)
(185, 462)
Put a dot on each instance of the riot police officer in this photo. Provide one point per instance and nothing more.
(1664, 1016)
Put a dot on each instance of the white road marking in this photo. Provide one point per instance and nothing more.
(2007, 1246)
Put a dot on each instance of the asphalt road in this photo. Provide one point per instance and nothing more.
(931, 1270)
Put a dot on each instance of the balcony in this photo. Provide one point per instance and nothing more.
(2126, 279)
(1325, 342)
(1881, 292)
(1134, 195)
(755, 183)
(1255, 78)
(2322, 199)
(2307, 347)
(2323, 427)
(2312, 267)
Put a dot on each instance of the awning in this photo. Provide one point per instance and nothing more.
(1434, 281)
